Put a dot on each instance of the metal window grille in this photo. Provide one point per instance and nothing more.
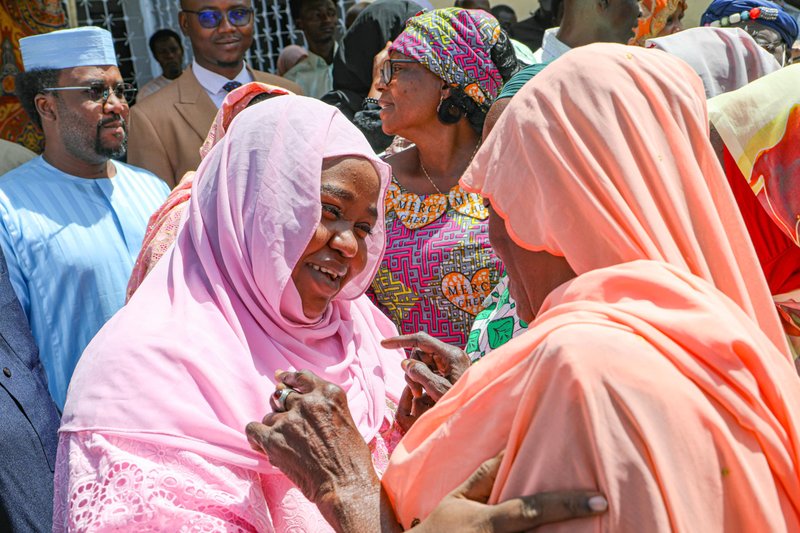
(131, 22)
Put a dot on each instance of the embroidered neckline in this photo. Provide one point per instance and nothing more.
(418, 210)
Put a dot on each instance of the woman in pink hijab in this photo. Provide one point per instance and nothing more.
(283, 235)
(654, 369)
(163, 226)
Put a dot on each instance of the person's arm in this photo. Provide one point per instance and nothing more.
(12, 262)
(368, 121)
(316, 444)
(432, 369)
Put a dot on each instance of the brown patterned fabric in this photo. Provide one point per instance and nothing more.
(21, 18)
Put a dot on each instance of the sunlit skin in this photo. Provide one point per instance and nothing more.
(169, 54)
(219, 49)
(598, 21)
(408, 102)
(337, 251)
(80, 134)
(532, 275)
(408, 108)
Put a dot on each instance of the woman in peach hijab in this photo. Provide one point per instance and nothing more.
(654, 370)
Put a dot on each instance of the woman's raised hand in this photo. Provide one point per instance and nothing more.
(312, 438)
(465, 509)
(431, 370)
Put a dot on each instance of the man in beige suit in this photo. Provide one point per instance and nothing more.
(167, 128)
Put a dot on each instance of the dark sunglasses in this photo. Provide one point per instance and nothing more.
(99, 92)
(387, 69)
(212, 18)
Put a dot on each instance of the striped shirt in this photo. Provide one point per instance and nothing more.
(70, 244)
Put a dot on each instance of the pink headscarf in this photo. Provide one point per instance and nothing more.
(724, 58)
(163, 226)
(189, 361)
(289, 57)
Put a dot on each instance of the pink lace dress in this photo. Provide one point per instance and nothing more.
(111, 483)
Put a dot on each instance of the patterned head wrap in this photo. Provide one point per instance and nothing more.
(728, 12)
(656, 13)
(467, 49)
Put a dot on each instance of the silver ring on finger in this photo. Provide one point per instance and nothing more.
(280, 398)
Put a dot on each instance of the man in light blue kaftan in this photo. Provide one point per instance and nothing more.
(72, 220)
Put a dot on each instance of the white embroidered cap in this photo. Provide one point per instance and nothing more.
(76, 47)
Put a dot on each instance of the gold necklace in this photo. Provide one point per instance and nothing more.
(422, 166)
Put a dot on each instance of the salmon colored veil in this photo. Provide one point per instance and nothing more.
(640, 152)
(605, 161)
(190, 360)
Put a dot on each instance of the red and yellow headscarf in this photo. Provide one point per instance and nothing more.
(655, 14)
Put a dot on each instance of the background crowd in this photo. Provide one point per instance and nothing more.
(445, 270)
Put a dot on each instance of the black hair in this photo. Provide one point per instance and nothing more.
(257, 99)
(296, 6)
(502, 8)
(163, 35)
(458, 104)
(33, 82)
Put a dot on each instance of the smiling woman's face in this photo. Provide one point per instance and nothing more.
(337, 251)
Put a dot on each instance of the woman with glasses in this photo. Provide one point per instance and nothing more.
(442, 74)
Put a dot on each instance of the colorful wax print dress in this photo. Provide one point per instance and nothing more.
(439, 266)
(497, 324)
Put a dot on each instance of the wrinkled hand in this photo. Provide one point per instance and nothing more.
(315, 441)
(465, 509)
(431, 370)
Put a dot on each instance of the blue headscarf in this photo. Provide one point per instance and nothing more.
(784, 23)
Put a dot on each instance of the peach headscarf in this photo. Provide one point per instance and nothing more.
(619, 158)
(647, 377)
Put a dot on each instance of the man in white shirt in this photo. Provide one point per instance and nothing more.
(166, 47)
(318, 20)
(168, 128)
(586, 22)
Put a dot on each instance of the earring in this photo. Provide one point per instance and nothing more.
(448, 111)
